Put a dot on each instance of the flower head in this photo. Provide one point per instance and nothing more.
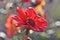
(32, 20)
(25, 19)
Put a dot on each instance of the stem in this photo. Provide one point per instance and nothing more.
(26, 34)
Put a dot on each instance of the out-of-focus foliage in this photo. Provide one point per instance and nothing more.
(18, 36)
(1, 38)
(54, 9)
(38, 37)
(58, 34)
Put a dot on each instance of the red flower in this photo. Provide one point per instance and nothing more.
(11, 24)
(26, 0)
(31, 20)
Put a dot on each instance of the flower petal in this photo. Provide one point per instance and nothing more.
(19, 20)
(41, 21)
(8, 22)
(21, 13)
(31, 13)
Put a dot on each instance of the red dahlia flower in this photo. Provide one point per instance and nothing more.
(31, 20)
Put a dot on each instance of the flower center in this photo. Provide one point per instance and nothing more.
(30, 22)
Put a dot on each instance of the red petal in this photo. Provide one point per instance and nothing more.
(31, 13)
(21, 13)
(41, 30)
(8, 22)
(19, 20)
(44, 23)
(10, 32)
(41, 22)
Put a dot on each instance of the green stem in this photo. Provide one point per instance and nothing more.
(26, 34)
